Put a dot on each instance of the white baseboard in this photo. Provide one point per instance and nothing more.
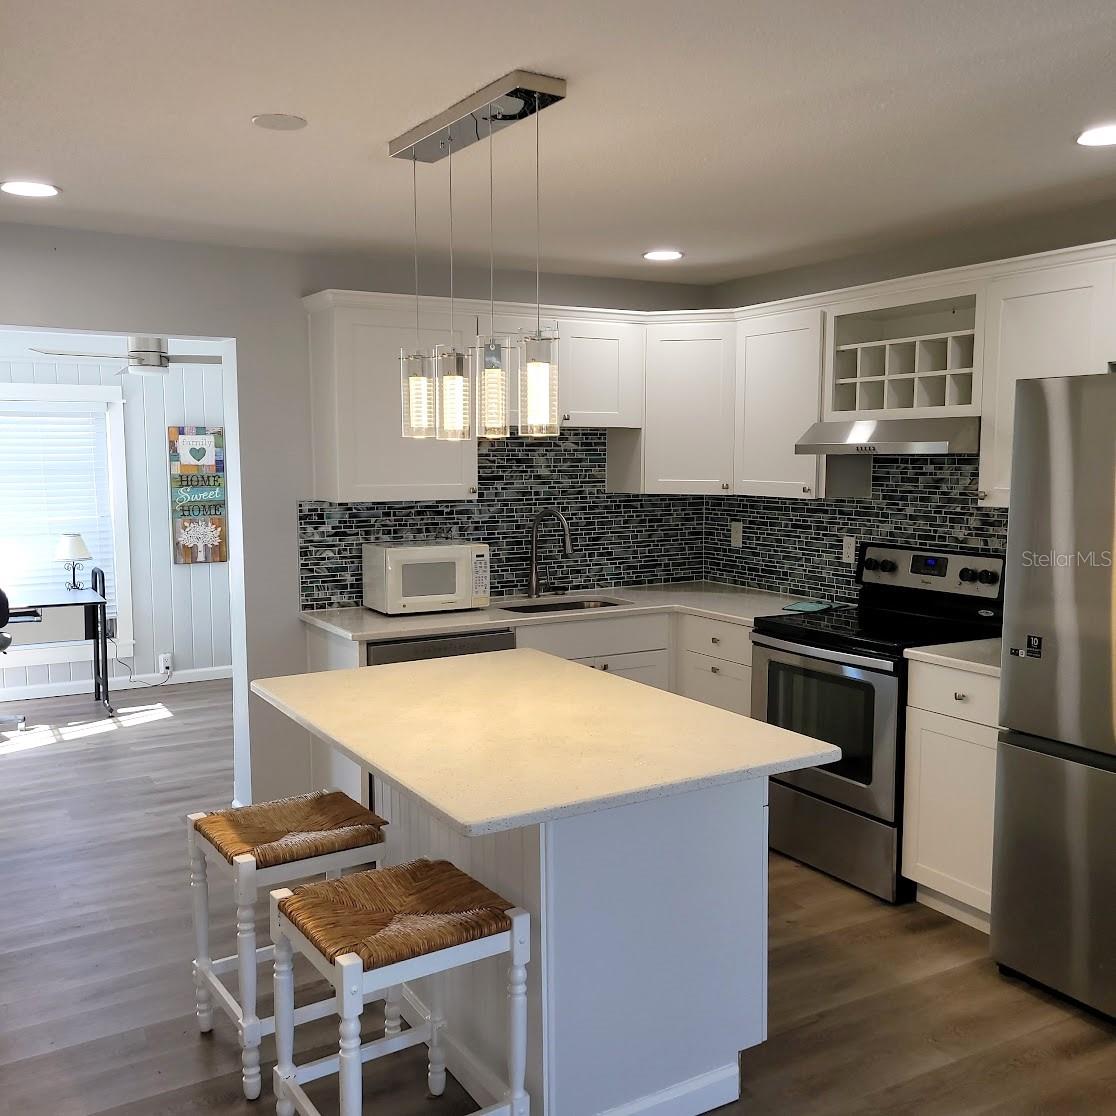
(69, 689)
(697, 1094)
(954, 908)
(703, 1093)
(484, 1086)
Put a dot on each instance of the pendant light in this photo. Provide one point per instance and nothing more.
(492, 357)
(452, 373)
(538, 352)
(416, 370)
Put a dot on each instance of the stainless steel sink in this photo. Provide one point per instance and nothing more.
(563, 605)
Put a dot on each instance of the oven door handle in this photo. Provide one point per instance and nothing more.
(810, 652)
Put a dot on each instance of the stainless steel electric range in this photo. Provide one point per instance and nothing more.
(840, 676)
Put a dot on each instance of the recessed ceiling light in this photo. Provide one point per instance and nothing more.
(663, 254)
(278, 121)
(30, 189)
(1102, 136)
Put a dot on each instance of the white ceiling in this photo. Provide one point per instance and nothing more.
(755, 135)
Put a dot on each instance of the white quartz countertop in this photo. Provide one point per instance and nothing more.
(980, 656)
(700, 598)
(506, 739)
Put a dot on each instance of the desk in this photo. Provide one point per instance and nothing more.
(30, 607)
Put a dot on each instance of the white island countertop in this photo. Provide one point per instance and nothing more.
(509, 739)
(699, 598)
(980, 656)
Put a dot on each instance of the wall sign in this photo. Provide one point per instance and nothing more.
(199, 528)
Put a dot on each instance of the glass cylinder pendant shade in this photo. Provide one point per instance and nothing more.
(538, 387)
(455, 404)
(419, 395)
(493, 360)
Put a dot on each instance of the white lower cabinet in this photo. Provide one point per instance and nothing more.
(652, 668)
(636, 647)
(949, 807)
(717, 682)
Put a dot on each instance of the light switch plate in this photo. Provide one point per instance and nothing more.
(848, 549)
(736, 533)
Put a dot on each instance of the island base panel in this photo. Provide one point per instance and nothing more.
(649, 962)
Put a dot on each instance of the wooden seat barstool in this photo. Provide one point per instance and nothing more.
(260, 846)
(372, 931)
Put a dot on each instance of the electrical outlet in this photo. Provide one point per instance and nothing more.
(166, 663)
(848, 549)
(736, 534)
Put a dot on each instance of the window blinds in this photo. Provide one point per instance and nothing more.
(53, 479)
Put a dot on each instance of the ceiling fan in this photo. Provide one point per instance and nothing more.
(146, 356)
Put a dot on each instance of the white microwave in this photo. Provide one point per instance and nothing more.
(436, 576)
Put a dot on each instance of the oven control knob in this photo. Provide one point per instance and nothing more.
(888, 566)
(988, 577)
(968, 574)
(871, 563)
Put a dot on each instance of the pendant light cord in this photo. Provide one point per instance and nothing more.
(538, 223)
(491, 233)
(453, 344)
(414, 202)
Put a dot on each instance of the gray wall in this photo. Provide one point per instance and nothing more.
(980, 240)
(67, 279)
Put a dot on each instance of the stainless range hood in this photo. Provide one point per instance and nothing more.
(892, 436)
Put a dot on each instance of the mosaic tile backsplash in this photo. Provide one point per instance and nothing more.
(790, 546)
(618, 539)
(794, 546)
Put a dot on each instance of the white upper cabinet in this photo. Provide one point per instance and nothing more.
(1057, 321)
(778, 397)
(893, 357)
(600, 373)
(688, 420)
(360, 453)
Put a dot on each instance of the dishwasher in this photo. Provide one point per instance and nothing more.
(434, 647)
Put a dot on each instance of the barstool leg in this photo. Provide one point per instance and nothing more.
(350, 1004)
(393, 1015)
(284, 1019)
(199, 898)
(517, 1014)
(245, 866)
(436, 1066)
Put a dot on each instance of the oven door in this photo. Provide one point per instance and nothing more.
(845, 699)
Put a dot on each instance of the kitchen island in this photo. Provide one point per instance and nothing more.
(630, 822)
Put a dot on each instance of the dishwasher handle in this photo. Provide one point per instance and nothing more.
(439, 646)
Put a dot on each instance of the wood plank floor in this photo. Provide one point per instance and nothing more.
(873, 1009)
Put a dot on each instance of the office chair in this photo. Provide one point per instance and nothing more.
(5, 643)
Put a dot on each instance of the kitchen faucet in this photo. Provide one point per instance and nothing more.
(567, 545)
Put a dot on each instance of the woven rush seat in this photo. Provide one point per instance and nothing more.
(393, 914)
(292, 829)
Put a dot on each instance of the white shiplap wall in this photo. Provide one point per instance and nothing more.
(181, 609)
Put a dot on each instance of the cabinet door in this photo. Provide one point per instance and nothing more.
(778, 397)
(652, 668)
(950, 801)
(365, 457)
(688, 423)
(600, 373)
(1056, 322)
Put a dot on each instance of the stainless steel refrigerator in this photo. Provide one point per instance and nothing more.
(1054, 867)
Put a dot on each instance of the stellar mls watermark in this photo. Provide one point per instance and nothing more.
(1066, 559)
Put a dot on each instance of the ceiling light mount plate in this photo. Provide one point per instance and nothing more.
(279, 121)
(500, 103)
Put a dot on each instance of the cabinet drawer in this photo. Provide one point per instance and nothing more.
(652, 668)
(718, 638)
(954, 693)
(715, 682)
(583, 639)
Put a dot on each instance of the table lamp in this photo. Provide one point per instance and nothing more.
(73, 552)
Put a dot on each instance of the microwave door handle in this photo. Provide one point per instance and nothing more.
(808, 652)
